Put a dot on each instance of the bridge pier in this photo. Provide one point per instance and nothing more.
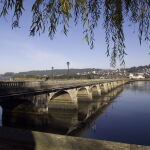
(96, 91)
(41, 103)
(104, 88)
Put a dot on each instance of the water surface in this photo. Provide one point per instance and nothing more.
(127, 119)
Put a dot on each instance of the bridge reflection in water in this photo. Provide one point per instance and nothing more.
(62, 121)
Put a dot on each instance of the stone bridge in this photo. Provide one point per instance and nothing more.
(65, 96)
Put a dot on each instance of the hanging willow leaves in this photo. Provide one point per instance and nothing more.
(47, 15)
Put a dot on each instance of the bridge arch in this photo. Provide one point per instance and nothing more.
(82, 93)
(61, 97)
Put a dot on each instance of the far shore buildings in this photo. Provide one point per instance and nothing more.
(136, 76)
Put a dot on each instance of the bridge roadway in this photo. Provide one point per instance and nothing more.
(55, 94)
(27, 88)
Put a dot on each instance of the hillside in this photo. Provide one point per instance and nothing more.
(49, 72)
(139, 69)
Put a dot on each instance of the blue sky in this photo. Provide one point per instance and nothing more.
(20, 52)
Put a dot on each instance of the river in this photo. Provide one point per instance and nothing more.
(125, 119)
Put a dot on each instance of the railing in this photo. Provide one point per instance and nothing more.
(50, 83)
(11, 84)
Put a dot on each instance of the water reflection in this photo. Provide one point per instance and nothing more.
(128, 120)
(57, 121)
(61, 121)
(140, 86)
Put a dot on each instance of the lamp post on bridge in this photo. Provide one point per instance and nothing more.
(68, 63)
(52, 72)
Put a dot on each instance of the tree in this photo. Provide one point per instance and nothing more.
(49, 14)
(68, 63)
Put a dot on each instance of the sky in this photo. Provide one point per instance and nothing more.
(21, 52)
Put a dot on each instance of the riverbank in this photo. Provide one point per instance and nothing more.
(17, 139)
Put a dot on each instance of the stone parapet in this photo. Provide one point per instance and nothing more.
(17, 139)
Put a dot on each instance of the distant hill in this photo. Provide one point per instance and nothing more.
(56, 71)
(138, 69)
(143, 69)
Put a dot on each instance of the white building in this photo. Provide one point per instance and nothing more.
(137, 76)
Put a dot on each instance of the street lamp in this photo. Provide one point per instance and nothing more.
(52, 72)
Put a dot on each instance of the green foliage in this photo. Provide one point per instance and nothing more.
(48, 14)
